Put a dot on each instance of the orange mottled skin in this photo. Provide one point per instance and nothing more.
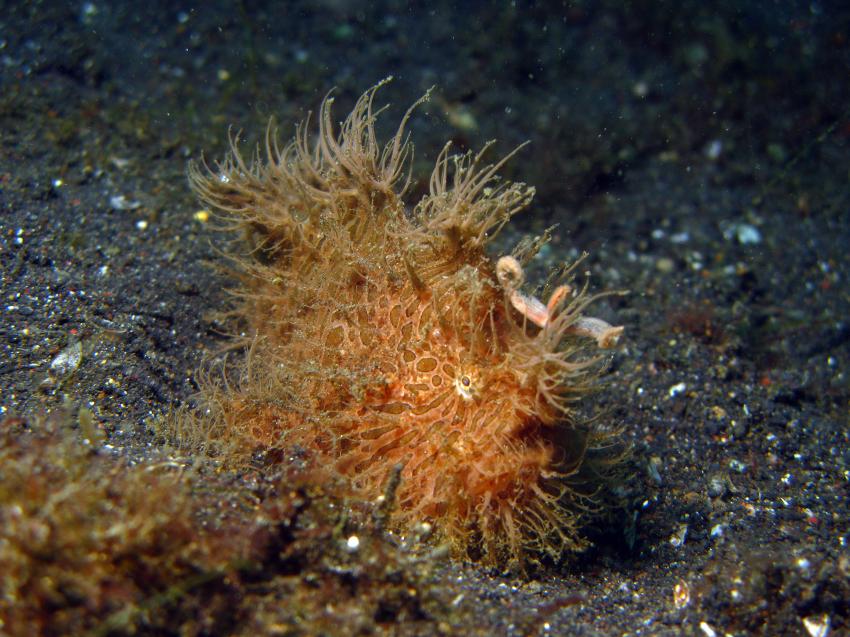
(380, 335)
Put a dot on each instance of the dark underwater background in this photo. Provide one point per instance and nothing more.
(698, 151)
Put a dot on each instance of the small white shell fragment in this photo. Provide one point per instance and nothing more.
(747, 234)
(68, 359)
(676, 389)
(120, 202)
(678, 538)
(817, 625)
(713, 149)
(681, 594)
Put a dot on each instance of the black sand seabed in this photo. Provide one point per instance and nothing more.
(700, 155)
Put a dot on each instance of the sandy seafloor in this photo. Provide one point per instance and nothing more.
(698, 151)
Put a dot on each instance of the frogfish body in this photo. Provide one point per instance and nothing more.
(381, 336)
